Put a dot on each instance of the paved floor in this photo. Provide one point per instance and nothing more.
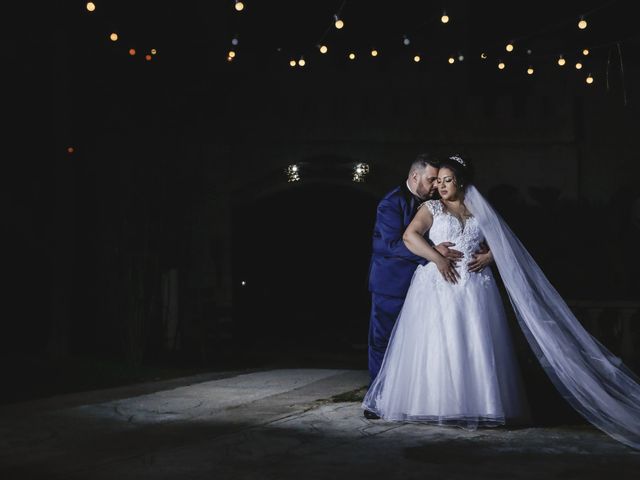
(277, 424)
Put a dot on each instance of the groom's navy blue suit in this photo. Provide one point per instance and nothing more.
(392, 267)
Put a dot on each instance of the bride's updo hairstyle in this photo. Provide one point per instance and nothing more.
(461, 167)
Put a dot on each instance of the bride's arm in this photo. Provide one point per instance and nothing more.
(413, 238)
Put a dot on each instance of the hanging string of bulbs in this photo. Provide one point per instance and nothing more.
(502, 61)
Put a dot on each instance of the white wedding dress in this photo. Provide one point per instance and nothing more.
(450, 359)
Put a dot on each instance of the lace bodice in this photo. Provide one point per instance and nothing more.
(448, 228)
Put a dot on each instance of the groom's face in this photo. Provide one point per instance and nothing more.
(427, 183)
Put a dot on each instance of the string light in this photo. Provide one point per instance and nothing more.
(70, 150)
(293, 173)
(360, 170)
(582, 23)
(339, 24)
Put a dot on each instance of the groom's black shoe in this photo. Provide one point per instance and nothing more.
(370, 415)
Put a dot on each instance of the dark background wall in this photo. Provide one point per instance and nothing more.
(137, 243)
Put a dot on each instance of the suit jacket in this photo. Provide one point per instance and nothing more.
(392, 264)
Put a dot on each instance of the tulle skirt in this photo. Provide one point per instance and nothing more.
(450, 359)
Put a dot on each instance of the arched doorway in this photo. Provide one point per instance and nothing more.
(300, 267)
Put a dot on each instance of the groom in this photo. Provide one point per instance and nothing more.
(392, 264)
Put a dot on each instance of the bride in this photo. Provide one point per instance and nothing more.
(450, 359)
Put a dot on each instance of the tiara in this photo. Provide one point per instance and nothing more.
(456, 158)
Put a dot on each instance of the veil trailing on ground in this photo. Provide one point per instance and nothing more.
(589, 377)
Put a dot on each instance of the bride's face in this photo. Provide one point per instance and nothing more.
(447, 184)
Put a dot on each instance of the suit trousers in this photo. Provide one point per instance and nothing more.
(384, 313)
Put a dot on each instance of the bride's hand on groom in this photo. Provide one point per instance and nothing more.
(447, 265)
(448, 270)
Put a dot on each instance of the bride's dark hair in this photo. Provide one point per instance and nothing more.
(461, 167)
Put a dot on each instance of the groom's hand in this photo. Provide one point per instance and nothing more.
(449, 253)
(480, 261)
(483, 247)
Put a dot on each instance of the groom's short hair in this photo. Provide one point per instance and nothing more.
(422, 161)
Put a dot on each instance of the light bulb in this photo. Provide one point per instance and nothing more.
(509, 47)
(452, 60)
(153, 51)
(338, 22)
(234, 41)
(301, 62)
(114, 37)
(585, 52)
(460, 58)
(483, 56)
(530, 70)
(582, 23)
(91, 6)
(132, 51)
(589, 79)
(444, 18)
(231, 54)
(374, 53)
(352, 56)
(292, 63)
(239, 5)
(578, 66)
(501, 65)
(416, 58)
(406, 40)
(323, 49)
(561, 61)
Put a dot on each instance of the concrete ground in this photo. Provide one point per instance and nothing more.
(278, 424)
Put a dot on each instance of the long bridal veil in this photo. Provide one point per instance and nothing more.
(589, 377)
